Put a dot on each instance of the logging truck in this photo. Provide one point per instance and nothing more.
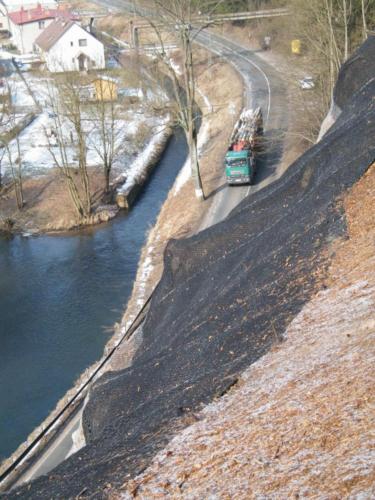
(245, 143)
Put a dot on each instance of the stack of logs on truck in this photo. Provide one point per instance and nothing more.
(245, 143)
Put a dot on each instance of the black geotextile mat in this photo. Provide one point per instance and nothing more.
(358, 70)
(225, 296)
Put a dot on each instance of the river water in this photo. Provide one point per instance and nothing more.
(59, 296)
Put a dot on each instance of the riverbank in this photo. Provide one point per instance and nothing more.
(76, 287)
(48, 206)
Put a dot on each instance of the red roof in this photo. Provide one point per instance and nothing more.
(39, 14)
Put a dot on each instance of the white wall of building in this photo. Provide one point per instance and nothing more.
(64, 55)
(4, 24)
(24, 35)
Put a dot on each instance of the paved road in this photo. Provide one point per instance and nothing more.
(263, 87)
(55, 453)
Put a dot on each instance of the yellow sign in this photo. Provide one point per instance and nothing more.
(296, 47)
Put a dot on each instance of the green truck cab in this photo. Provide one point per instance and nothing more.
(240, 167)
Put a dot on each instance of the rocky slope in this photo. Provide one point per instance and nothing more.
(225, 297)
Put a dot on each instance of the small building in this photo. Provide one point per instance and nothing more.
(25, 26)
(105, 88)
(8, 6)
(296, 47)
(66, 46)
(101, 88)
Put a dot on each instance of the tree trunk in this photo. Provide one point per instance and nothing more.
(107, 172)
(190, 118)
(331, 55)
(346, 38)
(194, 164)
(364, 23)
(75, 196)
(83, 172)
(19, 192)
(18, 178)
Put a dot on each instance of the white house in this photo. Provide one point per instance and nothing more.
(8, 6)
(66, 46)
(26, 25)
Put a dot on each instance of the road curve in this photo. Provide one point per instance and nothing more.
(263, 87)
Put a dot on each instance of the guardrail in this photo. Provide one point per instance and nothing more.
(96, 14)
(239, 16)
(210, 20)
(82, 391)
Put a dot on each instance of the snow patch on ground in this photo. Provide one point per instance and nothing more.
(146, 270)
(137, 168)
(4, 54)
(175, 66)
(203, 137)
(36, 138)
(207, 102)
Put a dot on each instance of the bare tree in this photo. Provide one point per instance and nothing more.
(14, 158)
(15, 164)
(364, 22)
(176, 17)
(2, 154)
(346, 7)
(4, 122)
(106, 135)
(330, 31)
(67, 140)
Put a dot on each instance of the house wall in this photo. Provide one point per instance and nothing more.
(63, 56)
(105, 90)
(4, 23)
(24, 35)
(7, 6)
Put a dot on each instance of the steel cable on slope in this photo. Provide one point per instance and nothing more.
(128, 333)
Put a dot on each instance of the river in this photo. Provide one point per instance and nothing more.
(59, 298)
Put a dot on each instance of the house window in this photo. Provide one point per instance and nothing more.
(71, 44)
(42, 25)
(73, 59)
(82, 42)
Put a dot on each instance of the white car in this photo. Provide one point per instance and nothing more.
(307, 83)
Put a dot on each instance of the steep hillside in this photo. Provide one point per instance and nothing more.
(225, 297)
(300, 421)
